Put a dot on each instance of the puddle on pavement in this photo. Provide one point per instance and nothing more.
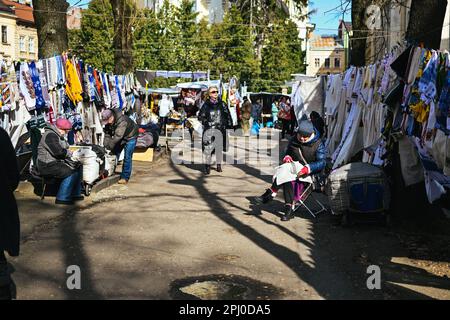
(223, 287)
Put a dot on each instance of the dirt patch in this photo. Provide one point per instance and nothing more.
(226, 257)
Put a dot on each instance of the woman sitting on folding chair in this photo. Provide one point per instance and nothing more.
(305, 156)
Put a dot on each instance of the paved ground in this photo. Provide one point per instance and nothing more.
(171, 223)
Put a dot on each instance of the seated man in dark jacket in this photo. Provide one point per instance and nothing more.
(307, 148)
(54, 160)
(120, 134)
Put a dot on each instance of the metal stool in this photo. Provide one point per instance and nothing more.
(44, 181)
(304, 196)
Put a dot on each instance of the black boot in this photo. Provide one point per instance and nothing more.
(207, 169)
(288, 213)
(64, 202)
(265, 198)
(219, 168)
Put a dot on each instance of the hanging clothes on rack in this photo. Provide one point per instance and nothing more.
(73, 83)
(27, 87)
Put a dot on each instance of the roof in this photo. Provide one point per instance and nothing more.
(325, 43)
(23, 12)
(5, 8)
(346, 24)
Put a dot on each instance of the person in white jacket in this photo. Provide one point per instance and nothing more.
(165, 105)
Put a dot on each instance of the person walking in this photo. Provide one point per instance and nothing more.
(216, 119)
(275, 111)
(256, 115)
(285, 116)
(120, 134)
(165, 105)
(9, 215)
(246, 115)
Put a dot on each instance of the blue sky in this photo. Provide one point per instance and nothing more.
(324, 20)
(82, 3)
(326, 23)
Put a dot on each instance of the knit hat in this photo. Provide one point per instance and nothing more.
(305, 128)
(106, 114)
(63, 124)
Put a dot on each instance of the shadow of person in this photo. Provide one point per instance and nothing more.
(195, 167)
(273, 208)
(255, 209)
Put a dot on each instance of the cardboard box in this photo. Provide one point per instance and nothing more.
(145, 155)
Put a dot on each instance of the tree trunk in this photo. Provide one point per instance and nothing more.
(51, 26)
(426, 20)
(123, 10)
(358, 46)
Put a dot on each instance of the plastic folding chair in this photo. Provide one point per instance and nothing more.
(302, 192)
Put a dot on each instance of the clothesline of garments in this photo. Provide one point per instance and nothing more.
(61, 86)
(403, 98)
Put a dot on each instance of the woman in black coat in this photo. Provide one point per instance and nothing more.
(9, 215)
(216, 119)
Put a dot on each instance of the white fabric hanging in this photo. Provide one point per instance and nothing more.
(26, 87)
(333, 95)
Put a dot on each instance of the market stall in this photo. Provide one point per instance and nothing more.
(267, 99)
(62, 86)
(394, 115)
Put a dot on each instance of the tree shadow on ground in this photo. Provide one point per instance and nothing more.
(342, 278)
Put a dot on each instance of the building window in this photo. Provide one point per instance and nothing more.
(317, 61)
(327, 62)
(337, 62)
(22, 44)
(31, 45)
(4, 34)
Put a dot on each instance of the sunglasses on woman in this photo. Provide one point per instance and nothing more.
(214, 92)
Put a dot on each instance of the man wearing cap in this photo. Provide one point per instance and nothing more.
(54, 160)
(120, 134)
(306, 147)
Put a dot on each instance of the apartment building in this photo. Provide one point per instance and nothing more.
(19, 35)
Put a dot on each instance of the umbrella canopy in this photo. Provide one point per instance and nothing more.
(169, 91)
(203, 85)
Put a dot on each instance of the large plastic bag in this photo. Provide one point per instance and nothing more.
(91, 164)
(255, 128)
